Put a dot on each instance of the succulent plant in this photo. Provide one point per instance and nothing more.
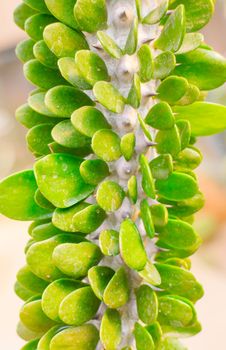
(112, 124)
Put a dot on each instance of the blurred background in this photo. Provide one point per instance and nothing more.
(209, 264)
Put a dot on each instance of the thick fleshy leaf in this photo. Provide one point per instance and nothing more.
(192, 94)
(31, 345)
(156, 14)
(64, 41)
(110, 196)
(24, 50)
(32, 316)
(172, 89)
(198, 13)
(132, 39)
(45, 231)
(37, 103)
(42, 76)
(180, 282)
(205, 118)
(150, 274)
(26, 334)
(146, 217)
(43, 251)
(89, 219)
(45, 340)
(203, 68)
(17, 197)
(110, 329)
(191, 42)
(160, 116)
(189, 158)
(146, 63)
(66, 135)
(106, 145)
(161, 166)
(144, 127)
(173, 32)
(35, 25)
(39, 6)
(184, 128)
(21, 13)
(39, 137)
(87, 120)
(59, 179)
(63, 218)
(76, 259)
(178, 186)
(63, 100)
(109, 45)
(134, 96)
(127, 145)
(164, 64)
(147, 304)
(188, 206)
(109, 96)
(159, 215)
(22, 293)
(63, 11)
(79, 306)
(94, 171)
(97, 18)
(147, 179)
(29, 281)
(70, 73)
(55, 294)
(133, 189)
(99, 277)
(168, 141)
(171, 343)
(44, 55)
(117, 292)
(85, 337)
(91, 66)
(156, 332)
(79, 152)
(143, 338)
(109, 242)
(130, 241)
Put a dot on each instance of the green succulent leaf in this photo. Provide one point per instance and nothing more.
(31, 345)
(110, 196)
(63, 11)
(146, 63)
(133, 189)
(28, 280)
(160, 116)
(94, 171)
(132, 39)
(37, 103)
(63, 218)
(45, 340)
(39, 137)
(97, 18)
(156, 332)
(88, 219)
(172, 89)
(191, 42)
(150, 274)
(184, 129)
(99, 277)
(106, 145)
(21, 13)
(109, 45)
(44, 231)
(161, 166)
(110, 329)
(164, 64)
(44, 55)
(109, 96)
(169, 343)
(143, 338)
(147, 304)
(39, 6)
(157, 14)
(168, 141)
(109, 242)
(128, 142)
(147, 178)
(134, 96)
(147, 218)
(159, 215)
(22, 292)
(69, 71)
(35, 25)
(24, 50)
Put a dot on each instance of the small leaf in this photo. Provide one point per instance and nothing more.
(42, 76)
(130, 241)
(132, 189)
(144, 127)
(150, 274)
(147, 218)
(160, 116)
(170, 343)
(147, 304)
(159, 215)
(45, 340)
(205, 118)
(75, 260)
(26, 334)
(110, 196)
(63, 11)
(198, 13)
(189, 158)
(24, 50)
(110, 329)
(146, 63)
(156, 332)
(35, 25)
(29, 118)
(69, 71)
(147, 179)
(191, 42)
(172, 89)
(97, 18)
(109, 96)
(143, 339)
(179, 282)
(31, 345)
(45, 231)
(91, 67)
(188, 206)
(55, 294)
(39, 137)
(178, 186)
(87, 120)
(94, 171)
(192, 94)
(17, 197)
(79, 306)
(44, 55)
(132, 39)
(164, 64)
(106, 145)
(63, 100)
(99, 277)
(127, 145)
(79, 152)
(173, 31)
(109, 242)
(161, 166)
(23, 293)
(59, 180)
(117, 292)
(134, 96)
(88, 219)
(184, 129)
(39, 6)
(109, 45)
(64, 41)
(66, 135)
(21, 13)
(28, 280)
(85, 337)
(168, 141)
(156, 15)
(37, 103)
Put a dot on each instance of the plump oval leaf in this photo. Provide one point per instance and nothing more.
(146, 217)
(146, 63)
(109, 96)
(110, 196)
(97, 18)
(160, 116)
(147, 304)
(39, 137)
(89, 219)
(70, 73)
(106, 145)
(169, 343)
(168, 141)
(109, 242)
(191, 42)
(99, 277)
(63, 11)
(30, 281)
(37, 103)
(21, 13)
(110, 329)
(44, 55)
(164, 64)
(150, 274)
(133, 189)
(39, 6)
(172, 89)
(132, 39)
(35, 25)
(109, 45)
(147, 179)
(66, 135)
(24, 50)
(161, 166)
(94, 171)
(143, 338)
(63, 218)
